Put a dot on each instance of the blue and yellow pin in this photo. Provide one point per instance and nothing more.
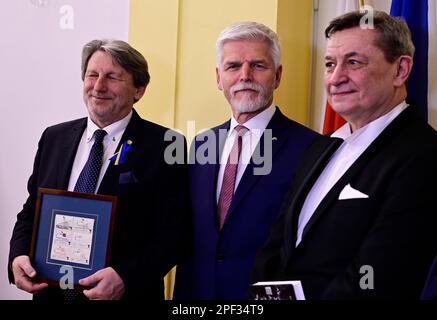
(118, 157)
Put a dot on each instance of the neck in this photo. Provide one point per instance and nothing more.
(102, 122)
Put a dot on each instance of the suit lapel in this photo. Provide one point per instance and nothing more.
(109, 184)
(213, 169)
(69, 149)
(249, 179)
(317, 162)
(392, 130)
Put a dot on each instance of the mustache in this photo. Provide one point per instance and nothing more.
(99, 96)
(244, 86)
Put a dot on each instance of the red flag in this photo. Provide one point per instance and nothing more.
(332, 121)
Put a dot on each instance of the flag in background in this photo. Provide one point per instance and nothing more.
(333, 120)
(415, 13)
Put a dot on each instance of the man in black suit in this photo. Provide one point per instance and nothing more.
(150, 230)
(359, 221)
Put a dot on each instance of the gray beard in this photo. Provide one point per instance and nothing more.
(248, 105)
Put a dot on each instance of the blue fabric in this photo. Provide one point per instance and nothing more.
(221, 264)
(415, 13)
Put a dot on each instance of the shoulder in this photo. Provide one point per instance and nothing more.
(67, 125)
(214, 131)
(152, 130)
(223, 126)
(151, 135)
(63, 128)
(411, 134)
(292, 127)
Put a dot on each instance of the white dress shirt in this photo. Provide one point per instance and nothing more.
(353, 146)
(250, 139)
(110, 143)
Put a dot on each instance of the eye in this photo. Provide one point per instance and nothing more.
(259, 66)
(231, 67)
(91, 75)
(353, 63)
(329, 65)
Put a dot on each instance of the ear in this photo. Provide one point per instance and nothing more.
(278, 76)
(405, 65)
(218, 79)
(139, 92)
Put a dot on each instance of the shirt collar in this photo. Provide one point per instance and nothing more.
(258, 122)
(114, 130)
(374, 128)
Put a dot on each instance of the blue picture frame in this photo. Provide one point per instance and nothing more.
(71, 229)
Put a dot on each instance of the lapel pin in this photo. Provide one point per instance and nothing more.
(118, 157)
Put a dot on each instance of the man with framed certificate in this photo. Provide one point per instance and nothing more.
(115, 153)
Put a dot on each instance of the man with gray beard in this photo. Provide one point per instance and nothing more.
(241, 169)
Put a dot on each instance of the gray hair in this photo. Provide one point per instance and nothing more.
(394, 35)
(126, 56)
(249, 30)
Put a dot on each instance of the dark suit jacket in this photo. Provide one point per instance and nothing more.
(430, 288)
(393, 231)
(151, 227)
(222, 260)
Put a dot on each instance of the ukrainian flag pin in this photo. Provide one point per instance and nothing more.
(118, 157)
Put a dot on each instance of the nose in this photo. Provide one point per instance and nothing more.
(100, 84)
(246, 73)
(337, 76)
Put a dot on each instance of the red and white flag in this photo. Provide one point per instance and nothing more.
(332, 120)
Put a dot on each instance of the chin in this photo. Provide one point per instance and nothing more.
(246, 109)
(99, 114)
(341, 106)
(248, 106)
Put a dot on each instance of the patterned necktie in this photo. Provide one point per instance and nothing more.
(87, 180)
(229, 175)
(87, 183)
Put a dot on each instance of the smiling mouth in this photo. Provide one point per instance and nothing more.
(100, 98)
(342, 94)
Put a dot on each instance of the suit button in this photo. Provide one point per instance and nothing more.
(220, 257)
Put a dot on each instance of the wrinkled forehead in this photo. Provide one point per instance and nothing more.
(352, 40)
(243, 49)
(103, 59)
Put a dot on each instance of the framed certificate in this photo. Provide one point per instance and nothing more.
(72, 232)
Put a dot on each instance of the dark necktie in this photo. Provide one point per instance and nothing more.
(87, 180)
(229, 175)
(87, 183)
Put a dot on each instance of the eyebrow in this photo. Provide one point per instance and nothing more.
(347, 55)
(110, 73)
(241, 62)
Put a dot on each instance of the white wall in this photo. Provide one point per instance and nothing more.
(40, 85)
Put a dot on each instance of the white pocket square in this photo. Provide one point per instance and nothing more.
(350, 193)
